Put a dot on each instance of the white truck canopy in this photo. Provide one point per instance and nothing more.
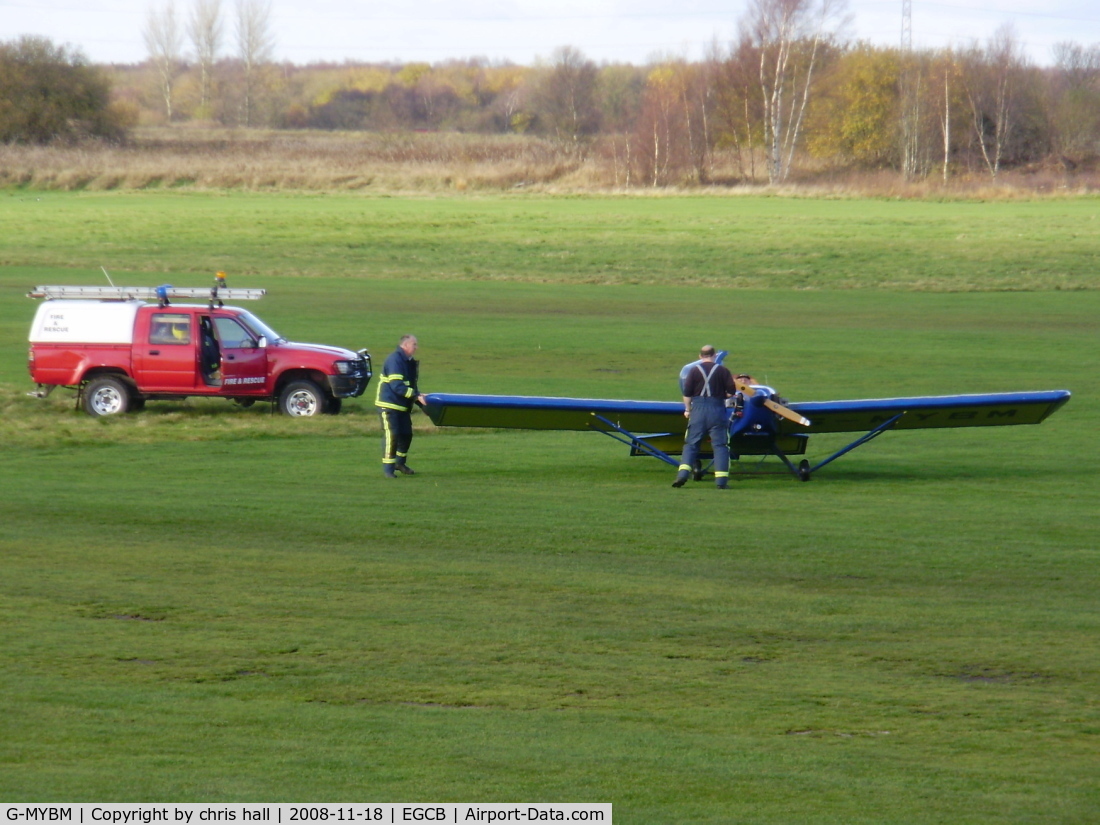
(85, 322)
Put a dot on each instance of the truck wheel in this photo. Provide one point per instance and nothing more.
(301, 399)
(333, 406)
(106, 396)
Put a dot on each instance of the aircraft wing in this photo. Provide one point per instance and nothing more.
(542, 413)
(993, 409)
(549, 413)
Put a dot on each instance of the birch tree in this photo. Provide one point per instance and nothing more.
(204, 27)
(911, 98)
(164, 42)
(790, 36)
(992, 78)
(255, 46)
(660, 126)
(946, 98)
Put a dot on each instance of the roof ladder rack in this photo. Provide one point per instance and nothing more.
(132, 293)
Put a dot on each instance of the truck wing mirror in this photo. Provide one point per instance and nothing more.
(262, 344)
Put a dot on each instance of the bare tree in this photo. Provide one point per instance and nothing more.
(911, 101)
(945, 119)
(565, 96)
(705, 97)
(739, 109)
(204, 27)
(992, 78)
(163, 41)
(1075, 102)
(255, 46)
(946, 97)
(662, 152)
(674, 124)
(789, 36)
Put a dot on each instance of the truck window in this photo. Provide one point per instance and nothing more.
(170, 328)
(232, 335)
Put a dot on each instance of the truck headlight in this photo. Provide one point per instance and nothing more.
(344, 367)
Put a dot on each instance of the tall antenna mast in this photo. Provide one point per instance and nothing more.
(906, 25)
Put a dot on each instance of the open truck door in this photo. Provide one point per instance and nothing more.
(243, 358)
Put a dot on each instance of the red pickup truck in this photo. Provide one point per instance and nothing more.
(119, 351)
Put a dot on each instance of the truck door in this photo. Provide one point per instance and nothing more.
(166, 352)
(244, 361)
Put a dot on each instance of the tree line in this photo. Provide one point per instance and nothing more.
(789, 94)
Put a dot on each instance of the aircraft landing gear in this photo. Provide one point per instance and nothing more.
(804, 470)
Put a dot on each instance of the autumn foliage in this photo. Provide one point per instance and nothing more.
(761, 111)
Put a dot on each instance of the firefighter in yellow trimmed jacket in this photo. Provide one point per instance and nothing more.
(397, 392)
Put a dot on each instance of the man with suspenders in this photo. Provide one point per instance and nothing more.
(706, 388)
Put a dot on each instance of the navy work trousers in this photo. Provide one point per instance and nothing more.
(397, 435)
(709, 416)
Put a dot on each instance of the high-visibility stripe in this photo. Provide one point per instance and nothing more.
(387, 379)
(720, 474)
(388, 451)
(685, 468)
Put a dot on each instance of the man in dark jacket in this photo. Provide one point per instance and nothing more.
(397, 392)
(705, 388)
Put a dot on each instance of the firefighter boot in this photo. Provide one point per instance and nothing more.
(387, 471)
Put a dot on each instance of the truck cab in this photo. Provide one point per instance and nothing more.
(119, 351)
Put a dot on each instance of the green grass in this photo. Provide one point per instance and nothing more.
(200, 603)
(714, 241)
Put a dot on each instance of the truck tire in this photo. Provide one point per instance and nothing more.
(302, 399)
(106, 396)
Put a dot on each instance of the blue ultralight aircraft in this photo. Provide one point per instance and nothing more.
(761, 423)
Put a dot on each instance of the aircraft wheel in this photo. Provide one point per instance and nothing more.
(334, 406)
(804, 470)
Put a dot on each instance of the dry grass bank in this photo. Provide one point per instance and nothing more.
(442, 162)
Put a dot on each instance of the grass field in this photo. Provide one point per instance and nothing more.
(201, 603)
(760, 242)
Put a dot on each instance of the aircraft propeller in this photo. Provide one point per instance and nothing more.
(774, 406)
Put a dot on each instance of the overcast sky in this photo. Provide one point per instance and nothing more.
(521, 31)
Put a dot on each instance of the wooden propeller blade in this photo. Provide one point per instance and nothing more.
(787, 413)
(774, 406)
